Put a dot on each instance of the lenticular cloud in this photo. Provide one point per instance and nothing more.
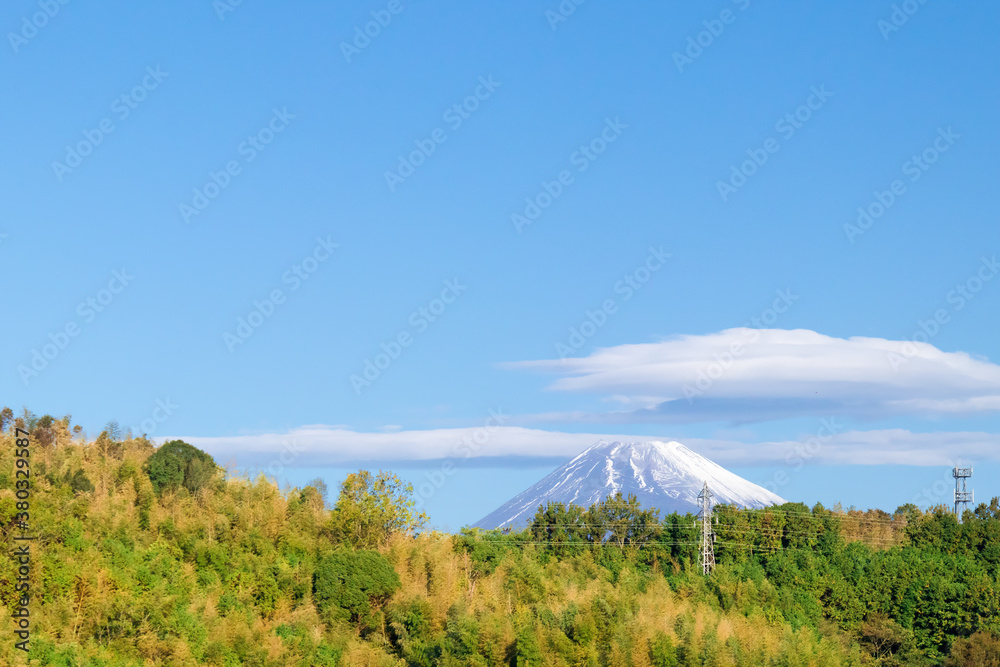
(746, 375)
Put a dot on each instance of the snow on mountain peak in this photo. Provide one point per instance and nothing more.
(666, 475)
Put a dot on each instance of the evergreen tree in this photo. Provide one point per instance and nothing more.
(177, 464)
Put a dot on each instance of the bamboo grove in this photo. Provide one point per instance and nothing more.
(157, 556)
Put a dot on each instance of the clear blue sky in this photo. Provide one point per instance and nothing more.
(308, 133)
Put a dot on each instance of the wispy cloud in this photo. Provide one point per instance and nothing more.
(753, 375)
(878, 447)
(315, 446)
(318, 445)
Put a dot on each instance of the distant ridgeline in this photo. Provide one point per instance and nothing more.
(155, 556)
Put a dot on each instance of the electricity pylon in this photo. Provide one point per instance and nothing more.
(707, 537)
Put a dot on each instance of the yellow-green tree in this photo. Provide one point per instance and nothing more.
(370, 509)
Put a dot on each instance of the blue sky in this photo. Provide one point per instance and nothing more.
(683, 191)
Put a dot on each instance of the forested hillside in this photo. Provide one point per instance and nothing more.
(149, 556)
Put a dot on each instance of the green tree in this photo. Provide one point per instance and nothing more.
(177, 464)
(562, 529)
(623, 521)
(909, 511)
(991, 511)
(369, 510)
(527, 652)
(79, 482)
(353, 585)
(661, 651)
(889, 643)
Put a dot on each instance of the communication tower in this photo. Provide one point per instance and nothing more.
(962, 495)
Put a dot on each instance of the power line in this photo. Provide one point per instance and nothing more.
(653, 544)
(841, 516)
(723, 529)
(626, 523)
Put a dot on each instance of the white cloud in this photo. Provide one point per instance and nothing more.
(747, 375)
(879, 447)
(323, 445)
(315, 446)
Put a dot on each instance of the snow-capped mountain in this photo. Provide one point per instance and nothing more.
(666, 475)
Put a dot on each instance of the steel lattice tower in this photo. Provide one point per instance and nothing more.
(962, 495)
(707, 536)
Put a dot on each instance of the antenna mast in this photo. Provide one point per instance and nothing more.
(962, 495)
(707, 536)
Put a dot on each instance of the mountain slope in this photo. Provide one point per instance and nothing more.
(666, 475)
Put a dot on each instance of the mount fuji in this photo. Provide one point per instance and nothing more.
(666, 475)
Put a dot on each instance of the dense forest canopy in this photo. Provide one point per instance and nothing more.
(157, 556)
